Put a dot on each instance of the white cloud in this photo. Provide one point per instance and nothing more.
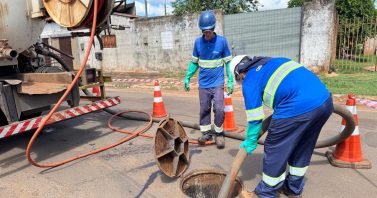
(273, 4)
(155, 8)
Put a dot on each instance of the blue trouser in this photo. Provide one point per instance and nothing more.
(292, 141)
(206, 96)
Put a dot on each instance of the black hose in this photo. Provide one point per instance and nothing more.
(343, 112)
(340, 110)
(57, 58)
(58, 50)
(65, 66)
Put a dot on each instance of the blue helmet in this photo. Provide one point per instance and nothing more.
(207, 20)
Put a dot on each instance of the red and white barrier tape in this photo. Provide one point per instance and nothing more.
(135, 80)
(33, 123)
(369, 103)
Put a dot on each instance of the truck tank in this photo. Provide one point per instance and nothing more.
(21, 23)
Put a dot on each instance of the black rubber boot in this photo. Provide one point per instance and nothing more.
(220, 140)
(206, 136)
(283, 191)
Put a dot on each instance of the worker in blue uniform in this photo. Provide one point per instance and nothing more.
(301, 106)
(210, 54)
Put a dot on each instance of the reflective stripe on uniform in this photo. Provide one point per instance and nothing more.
(211, 63)
(219, 129)
(205, 128)
(227, 59)
(273, 181)
(194, 59)
(297, 171)
(275, 80)
(255, 114)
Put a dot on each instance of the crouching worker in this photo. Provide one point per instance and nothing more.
(301, 106)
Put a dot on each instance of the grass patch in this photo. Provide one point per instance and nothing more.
(355, 64)
(359, 84)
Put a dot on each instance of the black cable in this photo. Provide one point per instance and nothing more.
(116, 7)
(58, 50)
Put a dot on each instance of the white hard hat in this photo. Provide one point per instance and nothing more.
(233, 63)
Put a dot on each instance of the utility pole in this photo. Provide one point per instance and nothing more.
(146, 8)
(165, 7)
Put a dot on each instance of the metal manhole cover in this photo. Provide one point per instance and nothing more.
(171, 148)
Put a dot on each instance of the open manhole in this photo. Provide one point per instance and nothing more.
(171, 148)
(207, 184)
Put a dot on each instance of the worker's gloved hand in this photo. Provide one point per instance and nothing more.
(230, 85)
(250, 144)
(193, 67)
(186, 83)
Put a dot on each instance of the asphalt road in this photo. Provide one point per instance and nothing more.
(130, 170)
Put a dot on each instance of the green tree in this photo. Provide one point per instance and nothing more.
(355, 9)
(347, 9)
(295, 3)
(227, 6)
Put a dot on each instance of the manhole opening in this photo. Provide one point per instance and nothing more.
(207, 184)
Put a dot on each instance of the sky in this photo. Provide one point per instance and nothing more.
(156, 7)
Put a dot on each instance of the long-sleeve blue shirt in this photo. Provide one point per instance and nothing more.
(285, 86)
(211, 55)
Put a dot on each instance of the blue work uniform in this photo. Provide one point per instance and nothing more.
(301, 106)
(211, 56)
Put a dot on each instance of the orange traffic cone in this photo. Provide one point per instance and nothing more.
(158, 103)
(96, 91)
(348, 154)
(229, 121)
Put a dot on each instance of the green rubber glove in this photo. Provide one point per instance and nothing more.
(251, 142)
(193, 67)
(230, 85)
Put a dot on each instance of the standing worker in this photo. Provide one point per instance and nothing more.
(210, 54)
(301, 106)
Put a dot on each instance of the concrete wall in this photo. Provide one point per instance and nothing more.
(165, 43)
(318, 30)
(152, 44)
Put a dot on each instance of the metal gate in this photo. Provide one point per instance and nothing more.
(274, 33)
(356, 49)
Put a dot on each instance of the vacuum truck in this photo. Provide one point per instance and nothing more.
(29, 86)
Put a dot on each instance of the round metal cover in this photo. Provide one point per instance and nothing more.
(68, 13)
(207, 184)
(171, 148)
